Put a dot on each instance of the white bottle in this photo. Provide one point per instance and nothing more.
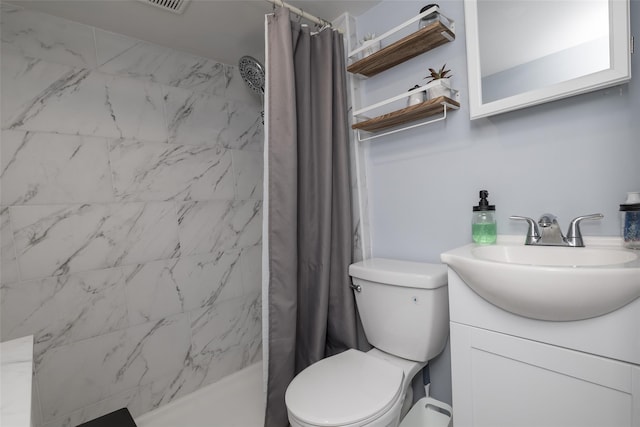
(416, 98)
(630, 220)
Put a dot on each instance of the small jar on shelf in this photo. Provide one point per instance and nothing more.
(425, 21)
(416, 98)
(370, 45)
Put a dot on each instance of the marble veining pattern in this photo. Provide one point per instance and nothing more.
(116, 155)
(232, 340)
(29, 310)
(247, 167)
(151, 171)
(244, 130)
(241, 317)
(96, 368)
(42, 96)
(29, 83)
(152, 291)
(206, 227)
(56, 240)
(195, 117)
(118, 54)
(8, 264)
(162, 288)
(54, 39)
(252, 269)
(225, 338)
(43, 168)
(200, 118)
(210, 278)
(64, 309)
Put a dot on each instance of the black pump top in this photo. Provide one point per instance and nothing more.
(630, 207)
(431, 15)
(484, 205)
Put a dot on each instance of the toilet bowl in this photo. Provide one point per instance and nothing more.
(404, 310)
(351, 389)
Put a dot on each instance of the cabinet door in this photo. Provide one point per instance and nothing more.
(503, 381)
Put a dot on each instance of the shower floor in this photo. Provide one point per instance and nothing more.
(234, 401)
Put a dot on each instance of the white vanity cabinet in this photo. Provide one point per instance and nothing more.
(511, 371)
(505, 381)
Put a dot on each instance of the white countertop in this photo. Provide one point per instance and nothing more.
(16, 359)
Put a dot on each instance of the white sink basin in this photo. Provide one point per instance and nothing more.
(550, 283)
(552, 256)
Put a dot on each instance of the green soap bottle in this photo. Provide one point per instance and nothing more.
(484, 229)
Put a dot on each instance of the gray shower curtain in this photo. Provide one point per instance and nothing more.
(311, 311)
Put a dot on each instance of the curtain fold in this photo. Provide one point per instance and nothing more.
(311, 309)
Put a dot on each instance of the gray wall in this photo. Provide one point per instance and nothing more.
(570, 157)
(131, 217)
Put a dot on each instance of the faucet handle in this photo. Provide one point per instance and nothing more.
(533, 233)
(547, 220)
(574, 236)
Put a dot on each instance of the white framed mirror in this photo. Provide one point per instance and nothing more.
(527, 52)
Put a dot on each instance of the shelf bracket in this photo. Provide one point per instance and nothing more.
(428, 122)
(446, 36)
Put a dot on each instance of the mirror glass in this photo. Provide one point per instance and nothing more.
(526, 52)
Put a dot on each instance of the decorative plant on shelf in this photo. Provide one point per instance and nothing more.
(441, 89)
(437, 75)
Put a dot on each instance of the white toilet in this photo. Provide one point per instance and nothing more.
(404, 309)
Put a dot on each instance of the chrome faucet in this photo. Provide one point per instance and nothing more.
(546, 232)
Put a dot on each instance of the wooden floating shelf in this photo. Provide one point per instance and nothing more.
(408, 114)
(414, 44)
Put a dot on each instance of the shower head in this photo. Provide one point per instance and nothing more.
(252, 73)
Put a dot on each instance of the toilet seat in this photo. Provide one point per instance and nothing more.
(348, 389)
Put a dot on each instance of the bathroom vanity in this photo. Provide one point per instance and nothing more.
(514, 370)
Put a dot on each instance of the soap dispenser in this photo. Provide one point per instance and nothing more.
(484, 229)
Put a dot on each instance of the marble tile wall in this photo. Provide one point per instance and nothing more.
(130, 217)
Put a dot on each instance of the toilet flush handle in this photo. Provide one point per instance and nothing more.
(356, 288)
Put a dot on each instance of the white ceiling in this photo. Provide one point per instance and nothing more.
(223, 30)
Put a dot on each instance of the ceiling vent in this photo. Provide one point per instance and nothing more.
(175, 6)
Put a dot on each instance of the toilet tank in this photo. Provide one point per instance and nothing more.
(403, 305)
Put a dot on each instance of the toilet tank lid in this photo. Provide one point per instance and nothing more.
(400, 273)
